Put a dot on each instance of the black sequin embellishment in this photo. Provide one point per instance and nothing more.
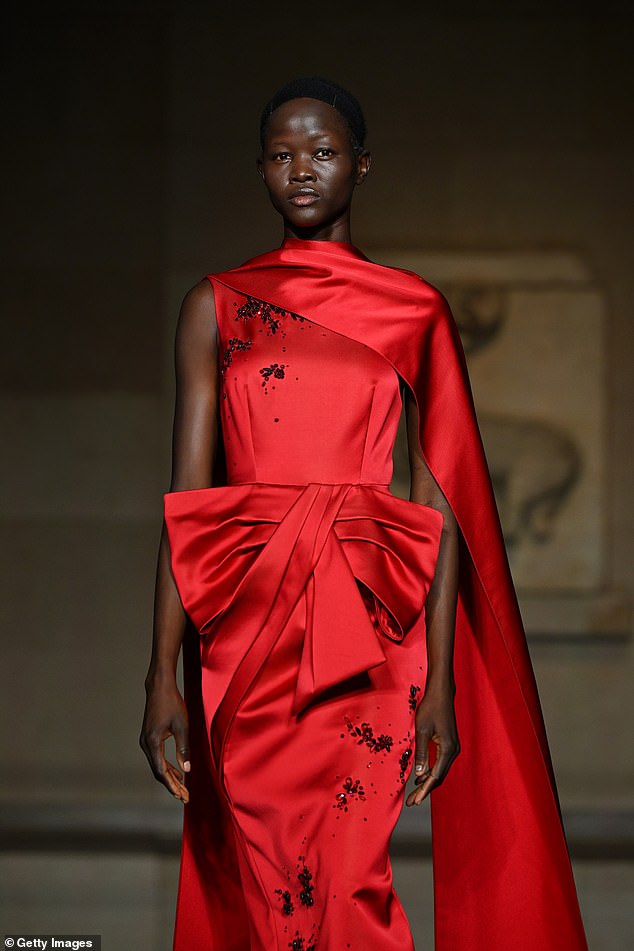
(299, 944)
(269, 314)
(404, 762)
(352, 789)
(413, 690)
(287, 901)
(273, 372)
(306, 894)
(235, 345)
(365, 734)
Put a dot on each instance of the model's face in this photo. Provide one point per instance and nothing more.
(310, 169)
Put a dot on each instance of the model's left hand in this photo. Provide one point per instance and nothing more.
(435, 723)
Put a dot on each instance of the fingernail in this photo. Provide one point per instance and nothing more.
(186, 766)
(419, 767)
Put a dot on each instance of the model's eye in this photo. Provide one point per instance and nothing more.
(325, 152)
(281, 155)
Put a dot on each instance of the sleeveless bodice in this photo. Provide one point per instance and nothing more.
(301, 403)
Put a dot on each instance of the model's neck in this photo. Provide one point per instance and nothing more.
(339, 232)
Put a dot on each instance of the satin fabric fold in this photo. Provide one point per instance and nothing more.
(242, 556)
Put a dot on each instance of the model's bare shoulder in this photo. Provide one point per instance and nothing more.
(200, 299)
(197, 323)
(202, 291)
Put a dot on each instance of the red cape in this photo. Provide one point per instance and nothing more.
(502, 873)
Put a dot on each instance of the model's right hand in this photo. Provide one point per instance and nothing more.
(165, 716)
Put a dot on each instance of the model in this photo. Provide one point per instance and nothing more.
(335, 637)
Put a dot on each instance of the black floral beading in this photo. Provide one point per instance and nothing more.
(365, 734)
(414, 689)
(275, 371)
(269, 314)
(298, 943)
(404, 762)
(306, 893)
(351, 790)
(235, 345)
(287, 901)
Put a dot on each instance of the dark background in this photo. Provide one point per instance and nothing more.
(131, 132)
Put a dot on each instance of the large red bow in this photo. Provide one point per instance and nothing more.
(242, 556)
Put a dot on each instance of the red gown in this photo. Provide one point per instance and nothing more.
(305, 581)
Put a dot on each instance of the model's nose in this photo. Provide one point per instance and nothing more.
(301, 171)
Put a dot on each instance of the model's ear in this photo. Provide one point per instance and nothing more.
(260, 167)
(363, 166)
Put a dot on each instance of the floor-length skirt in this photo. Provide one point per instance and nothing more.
(287, 833)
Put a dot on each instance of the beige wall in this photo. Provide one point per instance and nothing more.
(133, 140)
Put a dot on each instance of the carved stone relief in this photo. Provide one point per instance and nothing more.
(532, 326)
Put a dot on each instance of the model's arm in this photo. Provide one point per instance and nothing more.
(435, 717)
(193, 450)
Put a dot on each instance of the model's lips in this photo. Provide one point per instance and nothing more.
(304, 196)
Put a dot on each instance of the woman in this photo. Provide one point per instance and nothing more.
(318, 613)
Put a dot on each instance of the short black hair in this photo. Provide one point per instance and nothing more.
(317, 87)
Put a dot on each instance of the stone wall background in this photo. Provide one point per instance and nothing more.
(132, 136)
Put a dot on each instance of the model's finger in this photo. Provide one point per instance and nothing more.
(421, 759)
(443, 760)
(447, 749)
(173, 781)
(419, 794)
(162, 769)
(182, 746)
(155, 753)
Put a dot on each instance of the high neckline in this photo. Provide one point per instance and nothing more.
(309, 244)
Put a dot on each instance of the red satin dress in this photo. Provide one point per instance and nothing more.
(306, 581)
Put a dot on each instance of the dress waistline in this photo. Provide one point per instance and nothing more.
(242, 556)
(286, 485)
